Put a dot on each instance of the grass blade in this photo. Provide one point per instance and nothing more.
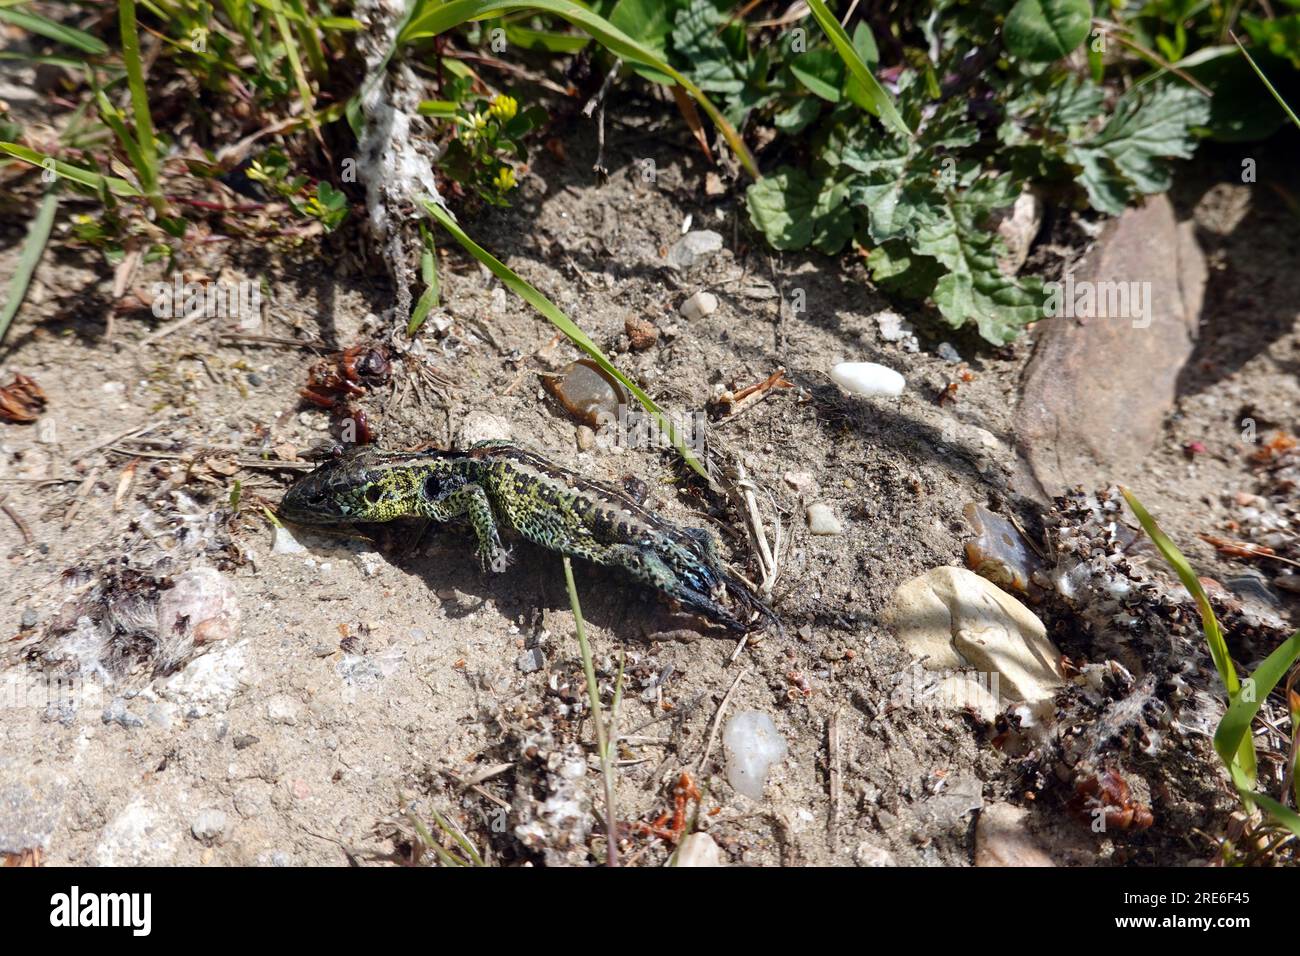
(1245, 759)
(38, 233)
(565, 325)
(1283, 815)
(1234, 729)
(431, 19)
(295, 64)
(42, 26)
(429, 276)
(603, 741)
(114, 184)
(139, 95)
(1264, 79)
(884, 103)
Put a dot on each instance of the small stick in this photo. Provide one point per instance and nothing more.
(836, 783)
(766, 563)
(236, 337)
(717, 721)
(129, 433)
(13, 516)
(597, 104)
(79, 496)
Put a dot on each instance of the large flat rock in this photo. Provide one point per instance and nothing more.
(1104, 370)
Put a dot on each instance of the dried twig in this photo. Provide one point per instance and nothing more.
(80, 495)
(717, 722)
(14, 517)
(834, 772)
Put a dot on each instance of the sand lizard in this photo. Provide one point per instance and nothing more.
(497, 485)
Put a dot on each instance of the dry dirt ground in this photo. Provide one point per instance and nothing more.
(360, 680)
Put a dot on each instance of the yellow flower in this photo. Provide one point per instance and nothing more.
(504, 108)
(504, 180)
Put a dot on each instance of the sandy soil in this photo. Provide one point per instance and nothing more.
(363, 678)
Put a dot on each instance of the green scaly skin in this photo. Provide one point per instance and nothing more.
(496, 485)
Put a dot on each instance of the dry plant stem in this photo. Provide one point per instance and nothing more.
(593, 695)
(834, 772)
(754, 521)
(597, 104)
(79, 496)
(717, 722)
(14, 517)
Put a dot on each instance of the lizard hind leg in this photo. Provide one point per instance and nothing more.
(472, 502)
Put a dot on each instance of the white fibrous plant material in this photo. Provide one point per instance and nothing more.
(394, 165)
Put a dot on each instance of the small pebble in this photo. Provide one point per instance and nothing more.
(586, 438)
(801, 482)
(483, 426)
(285, 542)
(699, 305)
(752, 744)
(209, 826)
(698, 849)
(29, 619)
(822, 520)
(694, 248)
(949, 354)
(244, 741)
(641, 333)
(868, 378)
(116, 713)
(586, 392)
(530, 660)
(894, 328)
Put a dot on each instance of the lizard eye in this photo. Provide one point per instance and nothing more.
(373, 494)
(431, 487)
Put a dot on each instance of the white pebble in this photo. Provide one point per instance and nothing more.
(822, 520)
(699, 305)
(868, 378)
(285, 542)
(752, 744)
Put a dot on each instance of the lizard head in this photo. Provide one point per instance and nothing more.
(353, 487)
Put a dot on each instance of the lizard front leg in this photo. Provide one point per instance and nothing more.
(472, 502)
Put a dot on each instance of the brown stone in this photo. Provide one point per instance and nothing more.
(1103, 377)
(641, 333)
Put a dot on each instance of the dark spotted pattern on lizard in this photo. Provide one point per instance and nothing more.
(497, 485)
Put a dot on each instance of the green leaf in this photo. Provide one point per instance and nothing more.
(432, 18)
(112, 184)
(38, 233)
(1279, 35)
(1128, 155)
(43, 26)
(1233, 733)
(341, 24)
(148, 151)
(1244, 759)
(798, 116)
(552, 42)
(697, 38)
(1041, 31)
(650, 24)
(793, 211)
(429, 276)
(566, 325)
(882, 104)
(821, 71)
(896, 269)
